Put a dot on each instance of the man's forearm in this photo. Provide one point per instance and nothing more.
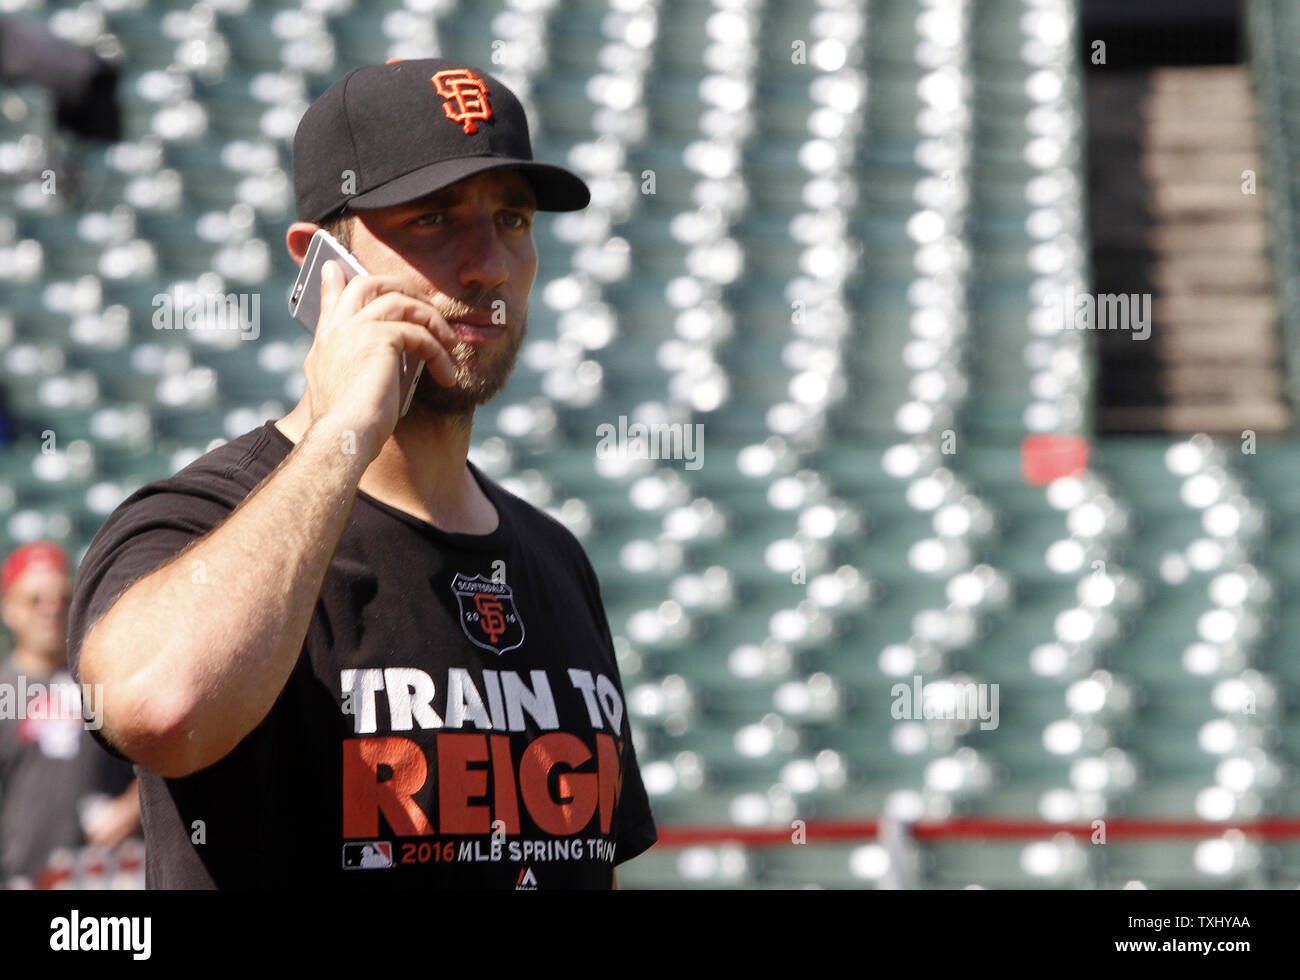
(193, 656)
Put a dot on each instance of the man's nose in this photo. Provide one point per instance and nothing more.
(484, 264)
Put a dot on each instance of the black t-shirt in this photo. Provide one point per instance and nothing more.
(456, 718)
(49, 768)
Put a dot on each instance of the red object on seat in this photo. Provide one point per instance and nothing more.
(1050, 457)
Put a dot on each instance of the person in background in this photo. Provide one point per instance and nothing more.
(58, 788)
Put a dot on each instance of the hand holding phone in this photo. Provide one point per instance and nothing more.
(304, 301)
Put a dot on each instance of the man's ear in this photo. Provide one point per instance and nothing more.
(298, 237)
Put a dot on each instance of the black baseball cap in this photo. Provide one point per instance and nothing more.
(388, 134)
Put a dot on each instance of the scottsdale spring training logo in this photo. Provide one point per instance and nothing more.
(487, 613)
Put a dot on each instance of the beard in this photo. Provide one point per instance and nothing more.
(481, 372)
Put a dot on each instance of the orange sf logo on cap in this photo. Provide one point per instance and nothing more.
(468, 92)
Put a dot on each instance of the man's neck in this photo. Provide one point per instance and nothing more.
(421, 470)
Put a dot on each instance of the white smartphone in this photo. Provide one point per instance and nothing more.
(304, 301)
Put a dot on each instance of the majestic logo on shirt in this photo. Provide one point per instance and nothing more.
(488, 614)
(527, 881)
(469, 93)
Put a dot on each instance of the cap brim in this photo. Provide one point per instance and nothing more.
(556, 188)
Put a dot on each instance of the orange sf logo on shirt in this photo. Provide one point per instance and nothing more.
(469, 93)
(491, 615)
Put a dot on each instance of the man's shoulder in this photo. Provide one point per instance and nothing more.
(200, 494)
(249, 457)
(226, 473)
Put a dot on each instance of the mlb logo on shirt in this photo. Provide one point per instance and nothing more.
(367, 854)
(527, 881)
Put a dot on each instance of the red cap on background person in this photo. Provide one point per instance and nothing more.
(30, 555)
(35, 588)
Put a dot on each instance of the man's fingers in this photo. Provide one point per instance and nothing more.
(362, 290)
(423, 345)
(388, 298)
(331, 284)
(381, 299)
(400, 306)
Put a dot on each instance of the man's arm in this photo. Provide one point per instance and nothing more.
(189, 668)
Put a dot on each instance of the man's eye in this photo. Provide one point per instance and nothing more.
(432, 218)
(515, 219)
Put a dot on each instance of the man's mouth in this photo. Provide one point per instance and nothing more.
(476, 329)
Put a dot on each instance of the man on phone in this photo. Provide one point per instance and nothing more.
(336, 651)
